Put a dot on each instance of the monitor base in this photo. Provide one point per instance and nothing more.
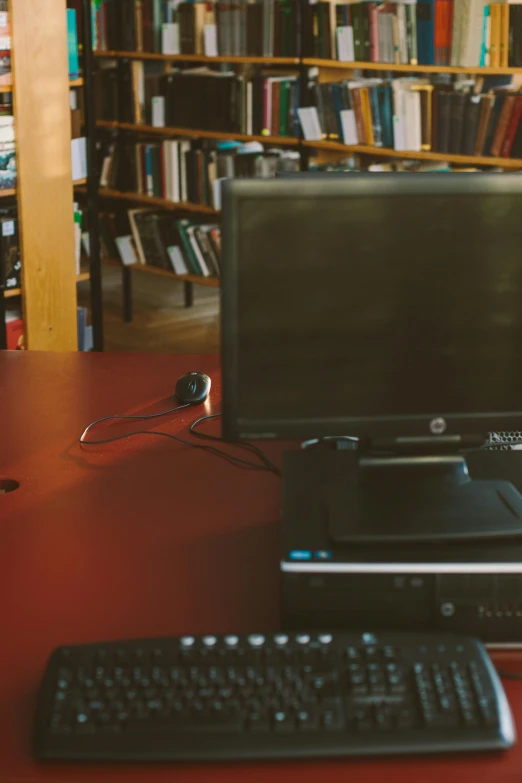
(419, 499)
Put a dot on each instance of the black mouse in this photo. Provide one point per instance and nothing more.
(192, 388)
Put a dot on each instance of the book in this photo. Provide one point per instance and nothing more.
(14, 328)
(10, 260)
(72, 44)
(6, 77)
(7, 153)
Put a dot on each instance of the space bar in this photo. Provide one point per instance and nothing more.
(203, 723)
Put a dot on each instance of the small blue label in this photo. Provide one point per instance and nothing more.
(300, 554)
(323, 554)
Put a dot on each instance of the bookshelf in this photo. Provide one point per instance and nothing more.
(324, 70)
(72, 83)
(212, 282)
(44, 192)
(464, 160)
(152, 201)
(395, 67)
(150, 130)
(199, 58)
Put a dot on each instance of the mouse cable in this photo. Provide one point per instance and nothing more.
(237, 461)
(250, 446)
(108, 418)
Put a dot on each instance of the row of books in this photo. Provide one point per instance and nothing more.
(181, 170)
(265, 28)
(416, 115)
(264, 104)
(426, 32)
(154, 238)
(416, 32)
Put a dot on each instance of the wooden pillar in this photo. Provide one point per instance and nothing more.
(45, 195)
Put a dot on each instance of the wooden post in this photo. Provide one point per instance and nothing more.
(45, 195)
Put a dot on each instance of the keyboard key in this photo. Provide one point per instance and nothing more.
(283, 721)
(259, 721)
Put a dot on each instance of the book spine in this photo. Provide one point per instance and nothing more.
(504, 35)
(495, 35)
(374, 33)
(484, 42)
(439, 31)
(512, 128)
(359, 120)
(72, 44)
(401, 27)
(502, 125)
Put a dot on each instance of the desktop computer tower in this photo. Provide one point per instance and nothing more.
(473, 588)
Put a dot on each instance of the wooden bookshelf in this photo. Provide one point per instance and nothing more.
(8, 192)
(288, 141)
(212, 282)
(199, 58)
(371, 66)
(11, 292)
(72, 83)
(153, 201)
(43, 122)
(465, 160)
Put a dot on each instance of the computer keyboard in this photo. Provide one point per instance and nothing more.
(277, 695)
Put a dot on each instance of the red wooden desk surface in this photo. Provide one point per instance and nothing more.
(141, 537)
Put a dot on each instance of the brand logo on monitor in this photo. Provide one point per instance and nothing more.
(438, 426)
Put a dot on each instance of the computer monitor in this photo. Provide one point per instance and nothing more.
(386, 307)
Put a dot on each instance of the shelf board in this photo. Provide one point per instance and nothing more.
(289, 141)
(18, 291)
(8, 192)
(72, 83)
(138, 198)
(212, 282)
(469, 160)
(370, 66)
(78, 182)
(198, 58)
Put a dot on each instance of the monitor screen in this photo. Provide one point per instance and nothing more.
(372, 304)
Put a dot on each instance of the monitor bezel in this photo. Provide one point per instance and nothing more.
(356, 185)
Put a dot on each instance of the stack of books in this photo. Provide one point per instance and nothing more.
(418, 32)
(415, 115)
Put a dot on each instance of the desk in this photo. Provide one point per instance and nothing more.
(141, 537)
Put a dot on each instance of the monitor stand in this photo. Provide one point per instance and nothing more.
(418, 499)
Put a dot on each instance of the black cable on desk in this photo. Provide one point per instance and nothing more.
(249, 446)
